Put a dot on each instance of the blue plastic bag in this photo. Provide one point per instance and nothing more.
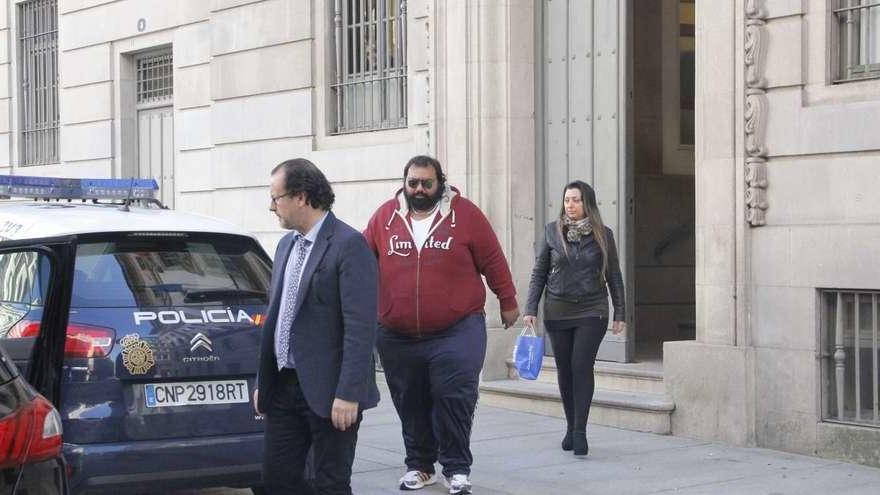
(528, 354)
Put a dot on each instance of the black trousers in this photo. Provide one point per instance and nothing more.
(291, 429)
(575, 344)
(434, 384)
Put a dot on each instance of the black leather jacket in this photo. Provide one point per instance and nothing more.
(575, 277)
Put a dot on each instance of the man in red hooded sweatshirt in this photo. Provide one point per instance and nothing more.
(434, 247)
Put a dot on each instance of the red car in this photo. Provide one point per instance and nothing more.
(30, 437)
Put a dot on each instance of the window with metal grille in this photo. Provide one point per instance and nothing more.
(38, 80)
(850, 356)
(370, 89)
(857, 34)
(155, 79)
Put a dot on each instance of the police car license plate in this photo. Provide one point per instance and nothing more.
(196, 393)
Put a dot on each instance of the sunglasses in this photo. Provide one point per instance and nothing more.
(414, 183)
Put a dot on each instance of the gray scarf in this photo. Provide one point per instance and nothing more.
(575, 229)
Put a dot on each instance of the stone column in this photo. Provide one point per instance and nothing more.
(484, 129)
(711, 380)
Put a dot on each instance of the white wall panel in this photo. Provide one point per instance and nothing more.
(835, 256)
(85, 65)
(419, 109)
(260, 24)
(780, 8)
(5, 149)
(193, 171)
(5, 56)
(121, 19)
(87, 103)
(4, 81)
(249, 164)
(217, 5)
(356, 202)
(88, 168)
(794, 129)
(835, 189)
(191, 86)
(784, 45)
(264, 70)
(5, 114)
(86, 141)
(66, 6)
(192, 44)
(384, 162)
(198, 202)
(192, 128)
(276, 115)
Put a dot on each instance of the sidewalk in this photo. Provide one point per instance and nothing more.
(518, 453)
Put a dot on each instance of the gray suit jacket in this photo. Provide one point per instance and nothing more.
(335, 324)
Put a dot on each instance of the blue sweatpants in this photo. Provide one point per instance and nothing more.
(434, 384)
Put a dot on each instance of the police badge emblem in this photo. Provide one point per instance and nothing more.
(137, 355)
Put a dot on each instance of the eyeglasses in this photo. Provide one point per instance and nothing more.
(276, 198)
(414, 183)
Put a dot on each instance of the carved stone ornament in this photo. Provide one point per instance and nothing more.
(756, 121)
(754, 9)
(755, 113)
(756, 172)
(756, 190)
(756, 53)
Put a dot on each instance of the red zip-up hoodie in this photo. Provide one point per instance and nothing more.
(427, 292)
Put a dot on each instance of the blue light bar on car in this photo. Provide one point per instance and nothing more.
(119, 188)
(22, 186)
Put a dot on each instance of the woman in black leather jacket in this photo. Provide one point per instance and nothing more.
(578, 267)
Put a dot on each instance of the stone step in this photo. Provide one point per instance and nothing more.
(641, 411)
(623, 377)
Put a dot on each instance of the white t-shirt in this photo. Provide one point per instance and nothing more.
(420, 230)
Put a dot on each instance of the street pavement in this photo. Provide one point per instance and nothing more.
(518, 453)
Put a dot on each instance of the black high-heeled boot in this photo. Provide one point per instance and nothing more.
(566, 441)
(579, 443)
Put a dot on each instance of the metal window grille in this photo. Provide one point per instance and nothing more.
(850, 357)
(857, 23)
(370, 89)
(38, 76)
(155, 79)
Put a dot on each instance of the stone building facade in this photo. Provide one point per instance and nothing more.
(732, 146)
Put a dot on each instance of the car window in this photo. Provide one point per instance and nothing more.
(136, 271)
(24, 283)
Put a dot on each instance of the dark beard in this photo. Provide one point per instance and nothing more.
(423, 202)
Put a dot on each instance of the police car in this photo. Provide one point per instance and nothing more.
(142, 325)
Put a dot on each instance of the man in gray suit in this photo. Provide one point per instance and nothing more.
(317, 373)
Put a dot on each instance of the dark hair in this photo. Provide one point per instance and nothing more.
(302, 176)
(591, 208)
(426, 161)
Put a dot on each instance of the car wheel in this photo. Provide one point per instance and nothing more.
(258, 490)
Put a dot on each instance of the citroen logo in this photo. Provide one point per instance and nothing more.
(200, 340)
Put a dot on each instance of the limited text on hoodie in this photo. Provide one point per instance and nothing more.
(427, 291)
